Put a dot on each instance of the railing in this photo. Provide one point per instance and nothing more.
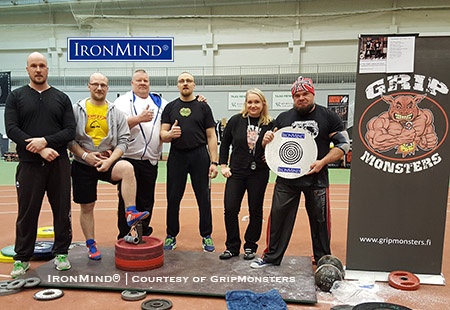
(204, 76)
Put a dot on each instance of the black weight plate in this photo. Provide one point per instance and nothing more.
(158, 304)
(48, 294)
(326, 275)
(332, 260)
(16, 284)
(342, 307)
(5, 291)
(133, 295)
(32, 282)
(43, 247)
(379, 306)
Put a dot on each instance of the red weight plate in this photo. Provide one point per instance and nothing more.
(403, 280)
(145, 268)
(133, 256)
(149, 244)
(133, 265)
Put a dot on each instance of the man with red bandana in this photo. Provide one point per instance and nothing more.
(326, 127)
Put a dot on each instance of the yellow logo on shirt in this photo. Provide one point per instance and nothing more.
(185, 112)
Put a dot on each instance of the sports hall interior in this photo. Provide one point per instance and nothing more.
(229, 46)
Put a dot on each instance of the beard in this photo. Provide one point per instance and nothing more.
(39, 80)
(304, 110)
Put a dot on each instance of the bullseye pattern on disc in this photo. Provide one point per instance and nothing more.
(291, 152)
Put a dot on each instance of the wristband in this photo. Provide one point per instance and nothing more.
(83, 157)
(214, 163)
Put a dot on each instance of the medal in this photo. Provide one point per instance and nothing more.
(253, 165)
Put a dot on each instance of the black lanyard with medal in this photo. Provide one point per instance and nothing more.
(252, 138)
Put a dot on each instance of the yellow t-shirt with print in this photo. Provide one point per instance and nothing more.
(97, 125)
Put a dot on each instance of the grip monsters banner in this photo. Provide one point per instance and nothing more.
(401, 155)
(5, 86)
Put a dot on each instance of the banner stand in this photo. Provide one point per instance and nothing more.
(399, 181)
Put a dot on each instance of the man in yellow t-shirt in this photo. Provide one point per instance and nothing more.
(101, 138)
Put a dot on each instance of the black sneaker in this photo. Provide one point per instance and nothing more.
(227, 254)
(260, 263)
(249, 254)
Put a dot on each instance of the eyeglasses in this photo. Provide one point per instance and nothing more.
(187, 81)
(97, 85)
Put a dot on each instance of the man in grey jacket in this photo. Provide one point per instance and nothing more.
(101, 138)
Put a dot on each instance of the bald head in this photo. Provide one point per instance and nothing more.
(36, 56)
(98, 76)
(37, 71)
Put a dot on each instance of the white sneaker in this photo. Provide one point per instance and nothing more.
(62, 262)
(19, 268)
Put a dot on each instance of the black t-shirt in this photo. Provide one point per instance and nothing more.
(194, 117)
(235, 136)
(321, 122)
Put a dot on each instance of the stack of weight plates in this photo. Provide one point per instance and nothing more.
(139, 257)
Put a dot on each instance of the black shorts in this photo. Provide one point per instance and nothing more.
(85, 179)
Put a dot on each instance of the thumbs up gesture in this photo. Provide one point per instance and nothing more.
(175, 130)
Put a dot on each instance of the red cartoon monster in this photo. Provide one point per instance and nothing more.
(405, 126)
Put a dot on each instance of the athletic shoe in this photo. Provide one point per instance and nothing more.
(249, 254)
(62, 263)
(93, 253)
(227, 254)
(170, 243)
(19, 268)
(208, 244)
(133, 216)
(259, 263)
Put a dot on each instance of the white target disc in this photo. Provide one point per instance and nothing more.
(291, 152)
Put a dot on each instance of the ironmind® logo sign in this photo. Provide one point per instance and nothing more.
(120, 49)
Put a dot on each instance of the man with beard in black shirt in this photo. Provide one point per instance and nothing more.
(326, 127)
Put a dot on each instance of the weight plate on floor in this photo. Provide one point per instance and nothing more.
(5, 291)
(8, 251)
(342, 307)
(291, 152)
(48, 294)
(16, 284)
(326, 275)
(403, 280)
(159, 304)
(332, 260)
(45, 232)
(32, 282)
(6, 259)
(43, 250)
(133, 295)
(4, 284)
(379, 306)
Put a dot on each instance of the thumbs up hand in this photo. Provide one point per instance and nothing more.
(175, 130)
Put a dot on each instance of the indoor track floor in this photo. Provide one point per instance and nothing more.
(426, 297)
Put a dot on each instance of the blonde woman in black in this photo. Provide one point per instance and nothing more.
(246, 171)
